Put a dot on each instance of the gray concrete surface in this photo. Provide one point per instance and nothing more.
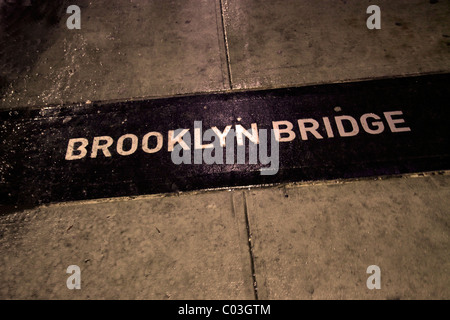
(186, 247)
(289, 43)
(316, 242)
(136, 49)
(309, 242)
(124, 50)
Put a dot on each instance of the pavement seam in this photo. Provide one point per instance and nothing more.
(250, 247)
(225, 39)
(11, 209)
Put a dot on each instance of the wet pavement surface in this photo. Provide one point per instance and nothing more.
(139, 49)
(124, 49)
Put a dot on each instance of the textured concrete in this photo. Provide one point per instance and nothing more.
(288, 43)
(124, 50)
(309, 242)
(186, 247)
(316, 242)
(135, 49)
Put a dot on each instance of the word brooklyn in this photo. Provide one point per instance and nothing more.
(208, 146)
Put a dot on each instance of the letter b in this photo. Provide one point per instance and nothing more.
(80, 149)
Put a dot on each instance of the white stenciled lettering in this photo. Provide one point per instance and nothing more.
(252, 136)
(133, 148)
(328, 128)
(207, 146)
(80, 149)
(198, 137)
(159, 142)
(287, 130)
(178, 139)
(393, 122)
(341, 129)
(311, 129)
(378, 124)
(222, 135)
(97, 145)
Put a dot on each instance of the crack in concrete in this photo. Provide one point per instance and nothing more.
(250, 248)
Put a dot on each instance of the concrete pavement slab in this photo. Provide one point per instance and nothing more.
(124, 50)
(317, 241)
(180, 247)
(308, 241)
(289, 43)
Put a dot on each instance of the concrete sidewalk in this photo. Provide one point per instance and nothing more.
(299, 241)
(290, 43)
(135, 49)
(311, 241)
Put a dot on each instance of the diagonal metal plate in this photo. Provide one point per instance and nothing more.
(401, 125)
